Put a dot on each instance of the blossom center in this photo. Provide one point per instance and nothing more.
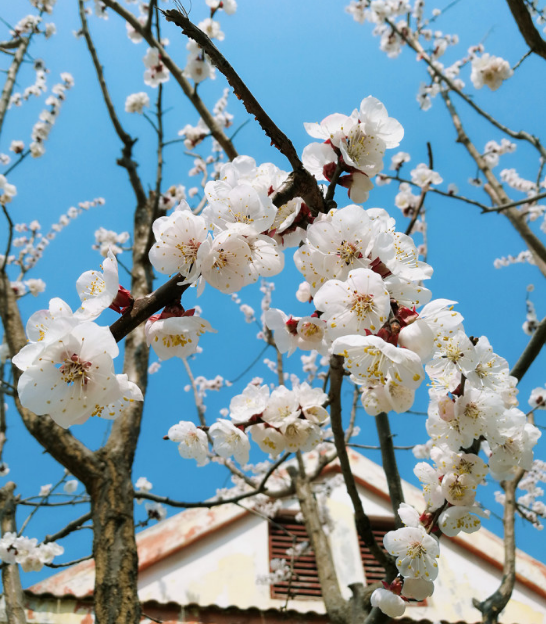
(348, 252)
(415, 550)
(362, 305)
(74, 369)
(189, 249)
(175, 340)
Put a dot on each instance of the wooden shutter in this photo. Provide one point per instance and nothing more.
(285, 533)
(305, 581)
(372, 570)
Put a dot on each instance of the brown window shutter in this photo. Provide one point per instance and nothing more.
(285, 533)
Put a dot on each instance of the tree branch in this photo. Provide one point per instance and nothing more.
(178, 75)
(126, 161)
(496, 191)
(145, 306)
(69, 528)
(527, 27)
(335, 604)
(389, 465)
(361, 519)
(531, 351)
(492, 606)
(311, 191)
(417, 47)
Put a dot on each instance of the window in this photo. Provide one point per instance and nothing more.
(285, 533)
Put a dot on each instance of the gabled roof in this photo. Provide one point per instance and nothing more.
(168, 537)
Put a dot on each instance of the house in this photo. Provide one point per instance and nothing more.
(202, 565)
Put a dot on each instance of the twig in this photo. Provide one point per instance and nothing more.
(68, 563)
(261, 489)
(197, 398)
(44, 500)
(16, 163)
(528, 53)
(10, 237)
(253, 363)
(69, 528)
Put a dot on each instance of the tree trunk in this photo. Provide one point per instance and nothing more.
(114, 544)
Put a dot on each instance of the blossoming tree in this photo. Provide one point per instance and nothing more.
(372, 324)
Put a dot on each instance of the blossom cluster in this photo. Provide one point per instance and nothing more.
(32, 243)
(353, 147)
(281, 420)
(27, 552)
(68, 367)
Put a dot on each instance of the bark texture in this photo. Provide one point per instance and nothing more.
(11, 580)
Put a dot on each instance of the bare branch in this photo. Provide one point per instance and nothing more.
(261, 489)
(336, 606)
(496, 191)
(69, 528)
(69, 563)
(311, 192)
(361, 519)
(492, 606)
(527, 28)
(11, 44)
(389, 465)
(126, 161)
(178, 75)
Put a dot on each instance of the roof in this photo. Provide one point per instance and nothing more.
(157, 543)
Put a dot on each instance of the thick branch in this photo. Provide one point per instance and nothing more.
(361, 519)
(145, 306)
(335, 604)
(178, 75)
(127, 161)
(313, 195)
(11, 44)
(492, 606)
(527, 27)
(13, 592)
(389, 465)
(531, 351)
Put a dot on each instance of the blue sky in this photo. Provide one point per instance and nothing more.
(302, 60)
